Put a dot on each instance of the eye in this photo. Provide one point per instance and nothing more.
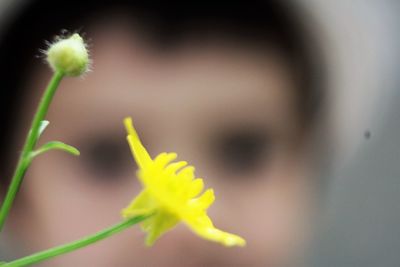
(107, 158)
(241, 151)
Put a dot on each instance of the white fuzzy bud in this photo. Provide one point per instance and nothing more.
(69, 56)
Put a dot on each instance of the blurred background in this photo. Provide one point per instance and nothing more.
(360, 222)
(361, 227)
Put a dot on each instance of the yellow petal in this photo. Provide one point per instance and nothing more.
(172, 168)
(139, 152)
(204, 201)
(195, 188)
(157, 225)
(170, 192)
(202, 225)
(163, 159)
(222, 237)
(187, 171)
(129, 127)
(142, 204)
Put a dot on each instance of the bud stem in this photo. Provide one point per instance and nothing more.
(31, 140)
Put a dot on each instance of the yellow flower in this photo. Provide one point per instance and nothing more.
(172, 193)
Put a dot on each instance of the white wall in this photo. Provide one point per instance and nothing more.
(362, 223)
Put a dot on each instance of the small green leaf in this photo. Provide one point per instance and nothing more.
(43, 126)
(55, 145)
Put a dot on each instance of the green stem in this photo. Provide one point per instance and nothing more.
(63, 249)
(30, 143)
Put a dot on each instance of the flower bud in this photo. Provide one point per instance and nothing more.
(69, 56)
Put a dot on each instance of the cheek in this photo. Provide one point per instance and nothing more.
(65, 204)
(271, 208)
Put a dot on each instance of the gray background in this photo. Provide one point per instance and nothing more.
(361, 226)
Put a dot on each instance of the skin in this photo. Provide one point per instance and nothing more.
(188, 100)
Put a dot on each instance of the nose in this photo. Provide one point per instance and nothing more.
(182, 247)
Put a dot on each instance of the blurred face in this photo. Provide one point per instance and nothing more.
(227, 109)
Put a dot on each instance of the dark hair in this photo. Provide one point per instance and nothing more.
(277, 22)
